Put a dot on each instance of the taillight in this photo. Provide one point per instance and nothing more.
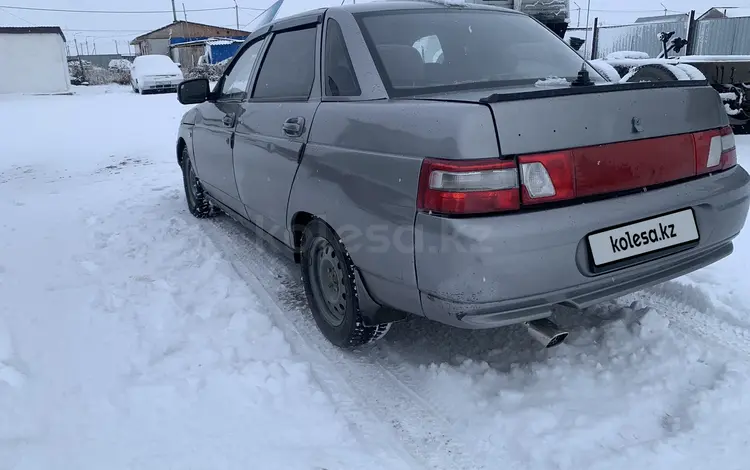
(728, 149)
(547, 177)
(468, 187)
(715, 150)
(455, 187)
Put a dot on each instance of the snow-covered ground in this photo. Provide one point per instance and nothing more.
(135, 336)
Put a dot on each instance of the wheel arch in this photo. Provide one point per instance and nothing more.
(373, 312)
(181, 146)
(299, 221)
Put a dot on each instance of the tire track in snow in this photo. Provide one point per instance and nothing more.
(690, 321)
(385, 404)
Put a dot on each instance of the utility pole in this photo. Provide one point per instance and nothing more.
(665, 8)
(237, 13)
(578, 23)
(117, 48)
(174, 12)
(80, 62)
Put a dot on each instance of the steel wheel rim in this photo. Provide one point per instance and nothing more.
(327, 281)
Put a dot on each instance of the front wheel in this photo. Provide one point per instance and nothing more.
(330, 286)
(197, 202)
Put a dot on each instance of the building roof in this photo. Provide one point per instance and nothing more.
(32, 30)
(208, 41)
(663, 18)
(235, 32)
(713, 14)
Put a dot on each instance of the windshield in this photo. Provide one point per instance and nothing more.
(428, 51)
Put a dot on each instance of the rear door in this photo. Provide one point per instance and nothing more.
(213, 135)
(274, 125)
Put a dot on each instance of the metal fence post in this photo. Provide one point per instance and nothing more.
(691, 39)
(595, 39)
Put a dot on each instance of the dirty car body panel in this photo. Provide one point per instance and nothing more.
(477, 203)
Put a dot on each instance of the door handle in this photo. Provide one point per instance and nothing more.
(294, 127)
(229, 120)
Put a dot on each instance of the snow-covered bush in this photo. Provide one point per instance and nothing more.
(212, 72)
(93, 75)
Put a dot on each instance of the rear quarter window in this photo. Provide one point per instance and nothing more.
(426, 51)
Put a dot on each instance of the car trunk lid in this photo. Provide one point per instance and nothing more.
(533, 119)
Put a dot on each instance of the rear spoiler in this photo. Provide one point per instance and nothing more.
(584, 90)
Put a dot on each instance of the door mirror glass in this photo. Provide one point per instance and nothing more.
(194, 91)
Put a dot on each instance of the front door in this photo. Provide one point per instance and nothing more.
(274, 127)
(213, 135)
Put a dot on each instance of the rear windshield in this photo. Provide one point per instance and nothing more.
(430, 51)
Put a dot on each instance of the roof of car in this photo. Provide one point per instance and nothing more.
(391, 5)
(387, 5)
(368, 7)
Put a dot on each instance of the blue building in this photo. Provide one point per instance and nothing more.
(205, 50)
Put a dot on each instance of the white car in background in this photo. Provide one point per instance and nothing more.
(152, 73)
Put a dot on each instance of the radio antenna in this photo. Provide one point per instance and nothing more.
(583, 78)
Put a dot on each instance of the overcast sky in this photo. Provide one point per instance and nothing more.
(108, 29)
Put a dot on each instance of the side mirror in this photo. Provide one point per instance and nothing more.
(193, 91)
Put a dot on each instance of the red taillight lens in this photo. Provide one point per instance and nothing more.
(728, 149)
(468, 187)
(715, 150)
(547, 177)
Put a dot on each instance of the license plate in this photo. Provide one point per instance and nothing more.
(643, 237)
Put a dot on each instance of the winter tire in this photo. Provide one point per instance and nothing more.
(331, 289)
(197, 202)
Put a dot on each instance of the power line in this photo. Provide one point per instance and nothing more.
(109, 12)
(16, 16)
(257, 16)
(106, 30)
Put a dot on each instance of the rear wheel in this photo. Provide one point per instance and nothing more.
(330, 286)
(197, 201)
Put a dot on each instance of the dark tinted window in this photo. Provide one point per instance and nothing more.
(235, 84)
(340, 78)
(289, 67)
(423, 51)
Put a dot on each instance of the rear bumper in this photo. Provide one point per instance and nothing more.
(493, 271)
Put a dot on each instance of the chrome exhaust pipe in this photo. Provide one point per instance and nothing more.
(546, 332)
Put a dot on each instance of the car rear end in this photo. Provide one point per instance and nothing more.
(599, 190)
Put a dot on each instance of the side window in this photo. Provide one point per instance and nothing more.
(235, 85)
(288, 70)
(340, 79)
(430, 49)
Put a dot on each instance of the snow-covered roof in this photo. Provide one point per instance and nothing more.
(221, 41)
(208, 41)
(32, 30)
